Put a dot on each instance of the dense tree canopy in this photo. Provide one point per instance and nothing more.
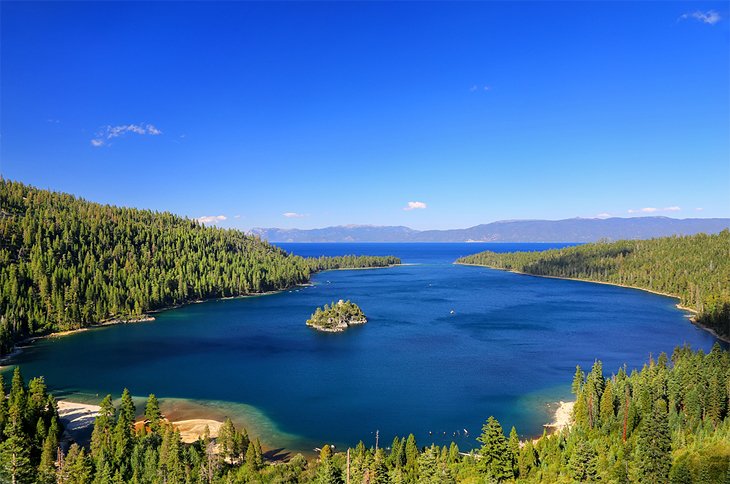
(695, 268)
(67, 263)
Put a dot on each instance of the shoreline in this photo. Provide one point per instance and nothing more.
(562, 418)
(147, 316)
(362, 268)
(78, 420)
(192, 417)
(692, 318)
(18, 348)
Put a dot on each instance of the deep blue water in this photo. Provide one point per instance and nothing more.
(445, 347)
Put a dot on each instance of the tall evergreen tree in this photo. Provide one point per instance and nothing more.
(495, 460)
(152, 413)
(655, 445)
(582, 463)
(15, 463)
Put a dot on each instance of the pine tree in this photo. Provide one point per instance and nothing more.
(453, 453)
(15, 463)
(101, 437)
(427, 466)
(578, 380)
(514, 450)
(527, 460)
(76, 467)
(152, 413)
(127, 408)
(122, 445)
(327, 471)
(607, 405)
(46, 468)
(583, 463)
(258, 453)
(655, 445)
(495, 459)
(3, 405)
(380, 469)
(17, 391)
(395, 453)
(227, 441)
(411, 453)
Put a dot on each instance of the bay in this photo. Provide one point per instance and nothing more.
(445, 347)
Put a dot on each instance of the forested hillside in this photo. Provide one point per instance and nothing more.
(66, 263)
(695, 268)
(666, 423)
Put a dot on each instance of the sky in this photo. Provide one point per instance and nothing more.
(430, 115)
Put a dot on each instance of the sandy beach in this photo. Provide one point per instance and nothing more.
(75, 416)
(191, 430)
(78, 421)
(563, 417)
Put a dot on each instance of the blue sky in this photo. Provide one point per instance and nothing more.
(313, 114)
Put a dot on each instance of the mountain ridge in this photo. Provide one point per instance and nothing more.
(564, 230)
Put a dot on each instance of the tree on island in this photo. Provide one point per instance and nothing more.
(337, 316)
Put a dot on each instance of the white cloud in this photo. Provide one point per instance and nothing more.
(293, 215)
(604, 215)
(699, 209)
(211, 219)
(414, 206)
(654, 209)
(236, 216)
(107, 133)
(710, 17)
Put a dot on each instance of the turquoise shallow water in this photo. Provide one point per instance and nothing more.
(446, 346)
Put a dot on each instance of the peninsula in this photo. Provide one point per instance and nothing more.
(337, 317)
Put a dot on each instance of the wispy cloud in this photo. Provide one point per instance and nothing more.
(475, 88)
(211, 219)
(414, 206)
(109, 132)
(710, 17)
(654, 209)
(699, 209)
(604, 215)
(293, 215)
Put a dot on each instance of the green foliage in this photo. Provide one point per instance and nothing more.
(66, 263)
(496, 460)
(695, 268)
(655, 445)
(665, 423)
(30, 431)
(337, 317)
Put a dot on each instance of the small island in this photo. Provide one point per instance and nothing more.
(337, 317)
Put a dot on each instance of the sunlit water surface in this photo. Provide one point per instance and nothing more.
(445, 347)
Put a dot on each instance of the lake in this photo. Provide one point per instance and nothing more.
(445, 347)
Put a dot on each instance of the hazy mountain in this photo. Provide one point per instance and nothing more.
(568, 230)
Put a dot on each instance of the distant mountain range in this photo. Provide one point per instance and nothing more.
(568, 230)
